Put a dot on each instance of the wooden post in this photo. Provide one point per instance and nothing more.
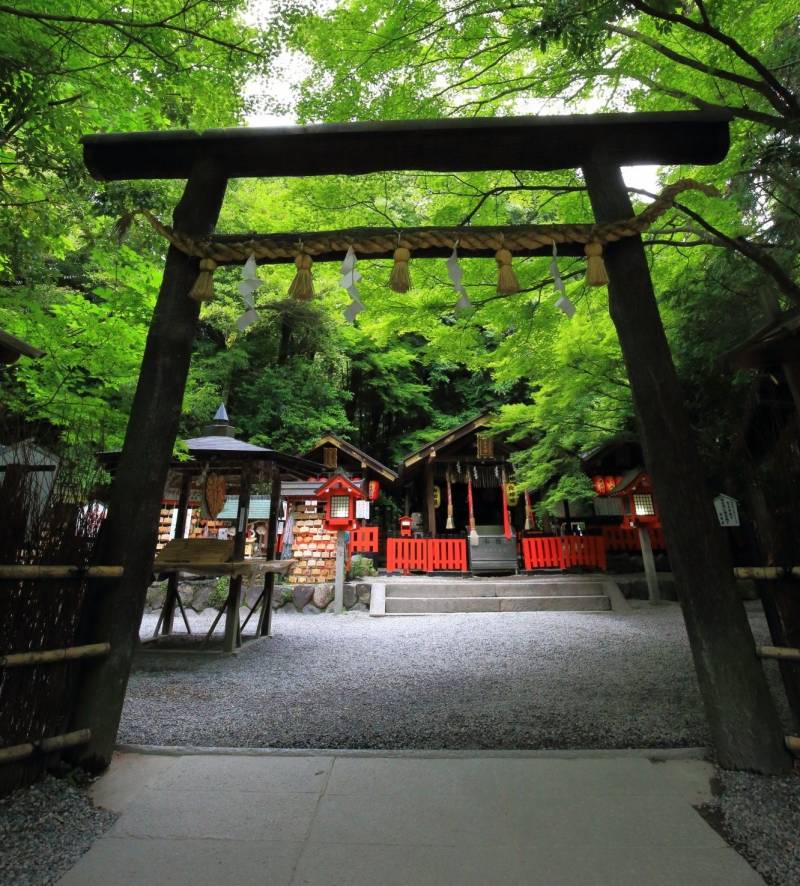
(232, 634)
(744, 724)
(265, 618)
(338, 587)
(430, 510)
(130, 531)
(649, 563)
(172, 582)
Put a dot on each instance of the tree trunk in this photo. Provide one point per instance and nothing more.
(744, 724)
(131, 530)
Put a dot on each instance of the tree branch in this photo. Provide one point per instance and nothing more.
(721, 73)
(123, 25)
(709, 30)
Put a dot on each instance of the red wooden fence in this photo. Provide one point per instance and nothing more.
(619, 539)
(562, 552)
(447, 554)
(426, 554)
(363, 539)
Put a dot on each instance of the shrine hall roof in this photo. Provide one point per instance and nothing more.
(363, 458)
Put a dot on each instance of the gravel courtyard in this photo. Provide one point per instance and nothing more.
(502, 681)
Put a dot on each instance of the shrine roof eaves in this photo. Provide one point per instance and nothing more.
(450, 145)
(446, 439)
(354, 452)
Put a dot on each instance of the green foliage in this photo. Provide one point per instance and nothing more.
(360, 567)
(410, 367)
(219, 593)
(68, 68)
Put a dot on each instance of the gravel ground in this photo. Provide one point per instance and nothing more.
(527, 680)
(45, 829)
(761, 817)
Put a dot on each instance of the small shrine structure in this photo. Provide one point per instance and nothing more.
(460, 480)
(219, 463)
(12, 348)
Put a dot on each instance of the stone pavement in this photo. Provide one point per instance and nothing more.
(408, 819)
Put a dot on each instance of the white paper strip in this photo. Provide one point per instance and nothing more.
(248, 285)
(456, 274)
(351, 276)
(562, 302)
(246, 319)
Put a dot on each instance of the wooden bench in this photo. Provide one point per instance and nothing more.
(210, 556)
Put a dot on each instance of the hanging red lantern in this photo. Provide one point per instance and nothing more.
(599, 484)
(611, 482)
(373, 490)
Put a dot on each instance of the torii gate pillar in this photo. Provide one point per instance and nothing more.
(744, 724)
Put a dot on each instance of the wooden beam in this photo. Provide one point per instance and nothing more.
(33, 572)
(130, 531)
(232, 627)
(452, 145)
(265, 618)
(430, 509)
(45, 745)
(744, 724)
(782, 653)
(168, 612)
(53, 656)
(11, 348)
(338, 582)
(649, 564)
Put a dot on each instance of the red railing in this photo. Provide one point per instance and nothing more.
(363, 540)
(542, 553)
(426, 554)
(619, 539)
(447, 554)
(562, 552)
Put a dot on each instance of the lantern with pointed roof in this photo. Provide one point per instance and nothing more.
(340, 496)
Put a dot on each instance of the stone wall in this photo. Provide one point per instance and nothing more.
(202, 594)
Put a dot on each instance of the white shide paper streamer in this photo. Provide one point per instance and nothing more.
(248, 285)
(562, 302)
(456, 273)
(350, 276)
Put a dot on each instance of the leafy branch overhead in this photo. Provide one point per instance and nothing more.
(411, 366)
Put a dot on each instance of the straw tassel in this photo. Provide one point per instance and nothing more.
(203, 289)
(529, 520)
(302, 287)
(474, 538)
(507, 283)
(595, 267)
(400, 280)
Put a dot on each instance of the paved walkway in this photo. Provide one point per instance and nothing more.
(408, 820)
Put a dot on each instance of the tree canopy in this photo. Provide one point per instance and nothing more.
(411, 365)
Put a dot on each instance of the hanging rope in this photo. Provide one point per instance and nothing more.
(504, 242)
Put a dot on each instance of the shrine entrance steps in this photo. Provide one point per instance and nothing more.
(429, 595)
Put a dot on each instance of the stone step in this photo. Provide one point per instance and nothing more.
(546, 588)
(430, 605)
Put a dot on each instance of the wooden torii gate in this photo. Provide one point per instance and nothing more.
(744, 724)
